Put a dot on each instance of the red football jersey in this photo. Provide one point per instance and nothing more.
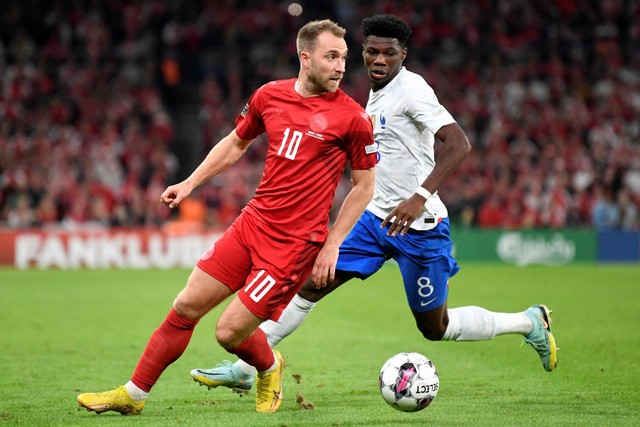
(309, 143)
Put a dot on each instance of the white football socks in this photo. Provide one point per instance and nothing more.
(476, 323)
(245, 367)
(135, 392)
(291, 318)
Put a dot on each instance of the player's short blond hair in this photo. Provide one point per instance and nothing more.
(308, 34)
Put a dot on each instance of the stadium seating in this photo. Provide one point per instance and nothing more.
(104, 104)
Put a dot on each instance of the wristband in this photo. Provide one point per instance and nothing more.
(424, 193)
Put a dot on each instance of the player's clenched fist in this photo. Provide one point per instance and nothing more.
(174, 194)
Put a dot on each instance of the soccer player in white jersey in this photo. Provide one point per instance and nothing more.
(406, 220)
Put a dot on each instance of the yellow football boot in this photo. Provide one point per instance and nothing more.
(269, 386)
(117, 400)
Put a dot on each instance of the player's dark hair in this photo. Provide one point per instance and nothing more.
(386, 26)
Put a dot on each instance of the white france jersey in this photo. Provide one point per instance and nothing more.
(406, 115)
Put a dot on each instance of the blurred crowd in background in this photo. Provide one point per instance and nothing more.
(548, 92)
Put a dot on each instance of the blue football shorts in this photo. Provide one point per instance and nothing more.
(424, 258)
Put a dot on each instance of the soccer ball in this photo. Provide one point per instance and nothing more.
(409, 382)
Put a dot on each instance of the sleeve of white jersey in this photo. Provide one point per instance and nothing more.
(423, 106)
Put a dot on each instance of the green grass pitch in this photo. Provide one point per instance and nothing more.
(66, 332)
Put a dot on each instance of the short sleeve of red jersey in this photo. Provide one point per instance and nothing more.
(249, 123)
(361, 148)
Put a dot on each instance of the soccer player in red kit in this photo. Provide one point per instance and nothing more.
(281, 237)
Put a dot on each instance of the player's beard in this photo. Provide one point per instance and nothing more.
(320, 83)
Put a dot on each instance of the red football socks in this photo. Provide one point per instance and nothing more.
(255, 351)
(166, 345)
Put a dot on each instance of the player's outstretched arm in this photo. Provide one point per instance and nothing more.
(324, 268)
(224, 154)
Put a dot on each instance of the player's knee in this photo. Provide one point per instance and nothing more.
(188, 306)
(226, 338)
(184, 308)
(432, 332)
(310, 293)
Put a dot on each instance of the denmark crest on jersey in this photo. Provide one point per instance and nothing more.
(318, 122)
